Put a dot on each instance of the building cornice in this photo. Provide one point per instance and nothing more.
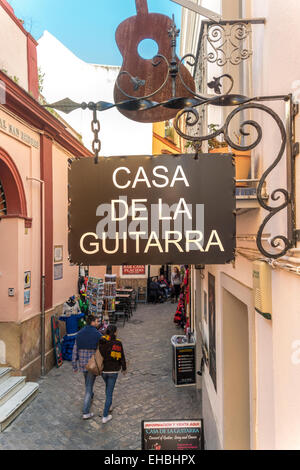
(22, 104)
(9, 10)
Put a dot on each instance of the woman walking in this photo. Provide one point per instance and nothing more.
(176, 280)
(113, 360)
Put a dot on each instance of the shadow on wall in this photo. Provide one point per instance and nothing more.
(2, 352)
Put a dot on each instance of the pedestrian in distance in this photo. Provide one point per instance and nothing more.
(154, 291)
(176, 281)
(113, 355)
(164, 287)
(85, 346)
(81, 286)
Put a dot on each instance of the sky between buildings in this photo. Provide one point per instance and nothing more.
(87, 27)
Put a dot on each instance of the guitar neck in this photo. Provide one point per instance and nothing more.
(141, 7)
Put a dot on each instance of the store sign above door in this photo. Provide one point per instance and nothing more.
(152, 210)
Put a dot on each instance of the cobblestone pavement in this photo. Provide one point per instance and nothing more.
(53, 420)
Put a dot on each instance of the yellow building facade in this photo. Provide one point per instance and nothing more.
(165, 139)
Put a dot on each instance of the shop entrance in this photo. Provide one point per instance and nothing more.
(13, 213)
(236, 373)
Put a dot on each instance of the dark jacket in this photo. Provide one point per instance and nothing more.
(154, 286)
(88, 338)
(113, 354)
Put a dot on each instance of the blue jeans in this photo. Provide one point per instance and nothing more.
(110, 382)
(89, 385)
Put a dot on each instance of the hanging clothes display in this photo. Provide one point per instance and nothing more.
(181, 315)
(71, 316)
(83, 304)
(109, 298)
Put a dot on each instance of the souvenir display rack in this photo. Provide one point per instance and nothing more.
(95, 292)
(109, 296)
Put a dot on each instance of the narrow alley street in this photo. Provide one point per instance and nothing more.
(53, 420)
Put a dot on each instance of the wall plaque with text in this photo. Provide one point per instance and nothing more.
(134, 270)
(161, 209)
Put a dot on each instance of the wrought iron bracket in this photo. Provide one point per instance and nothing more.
(188, 109)
(281, 199)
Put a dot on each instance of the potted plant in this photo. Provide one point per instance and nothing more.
(242, 159)
(214, 145)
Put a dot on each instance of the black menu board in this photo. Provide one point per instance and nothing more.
(184, 365)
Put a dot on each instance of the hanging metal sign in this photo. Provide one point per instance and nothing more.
(152, 210)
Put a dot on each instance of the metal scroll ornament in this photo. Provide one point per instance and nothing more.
(227, 43)
(280, 242)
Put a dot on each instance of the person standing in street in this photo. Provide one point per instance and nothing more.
(85, 346)
(164, 286)
(154, 291)
(176, 281)
(113, 360)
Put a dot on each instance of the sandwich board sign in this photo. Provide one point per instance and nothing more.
(180, 435)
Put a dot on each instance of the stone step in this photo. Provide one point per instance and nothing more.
(4, 373)
(17, 403)
(9, 387)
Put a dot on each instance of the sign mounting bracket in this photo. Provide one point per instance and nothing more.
(199, 9)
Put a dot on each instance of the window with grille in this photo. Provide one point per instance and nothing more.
(2, 201)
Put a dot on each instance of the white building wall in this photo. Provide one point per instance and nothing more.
(191, 25)
(276, 71)
(68, 76)
(13, 50)
(274, 345)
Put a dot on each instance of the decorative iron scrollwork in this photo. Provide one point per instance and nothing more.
(137, 82)
(227, 43)
(192, 115)
(278, 240)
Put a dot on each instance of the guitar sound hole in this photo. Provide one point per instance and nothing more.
(147, 49)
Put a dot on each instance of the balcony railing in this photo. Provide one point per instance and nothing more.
(246, 195)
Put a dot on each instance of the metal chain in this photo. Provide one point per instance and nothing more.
(96, 145)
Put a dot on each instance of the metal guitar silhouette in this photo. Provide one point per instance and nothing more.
(155, 79)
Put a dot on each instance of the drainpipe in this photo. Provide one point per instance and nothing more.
(42, 272)
(43, 327)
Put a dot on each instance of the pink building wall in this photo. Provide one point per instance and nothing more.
(66, 287)
(22, 250)
(277, 70)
